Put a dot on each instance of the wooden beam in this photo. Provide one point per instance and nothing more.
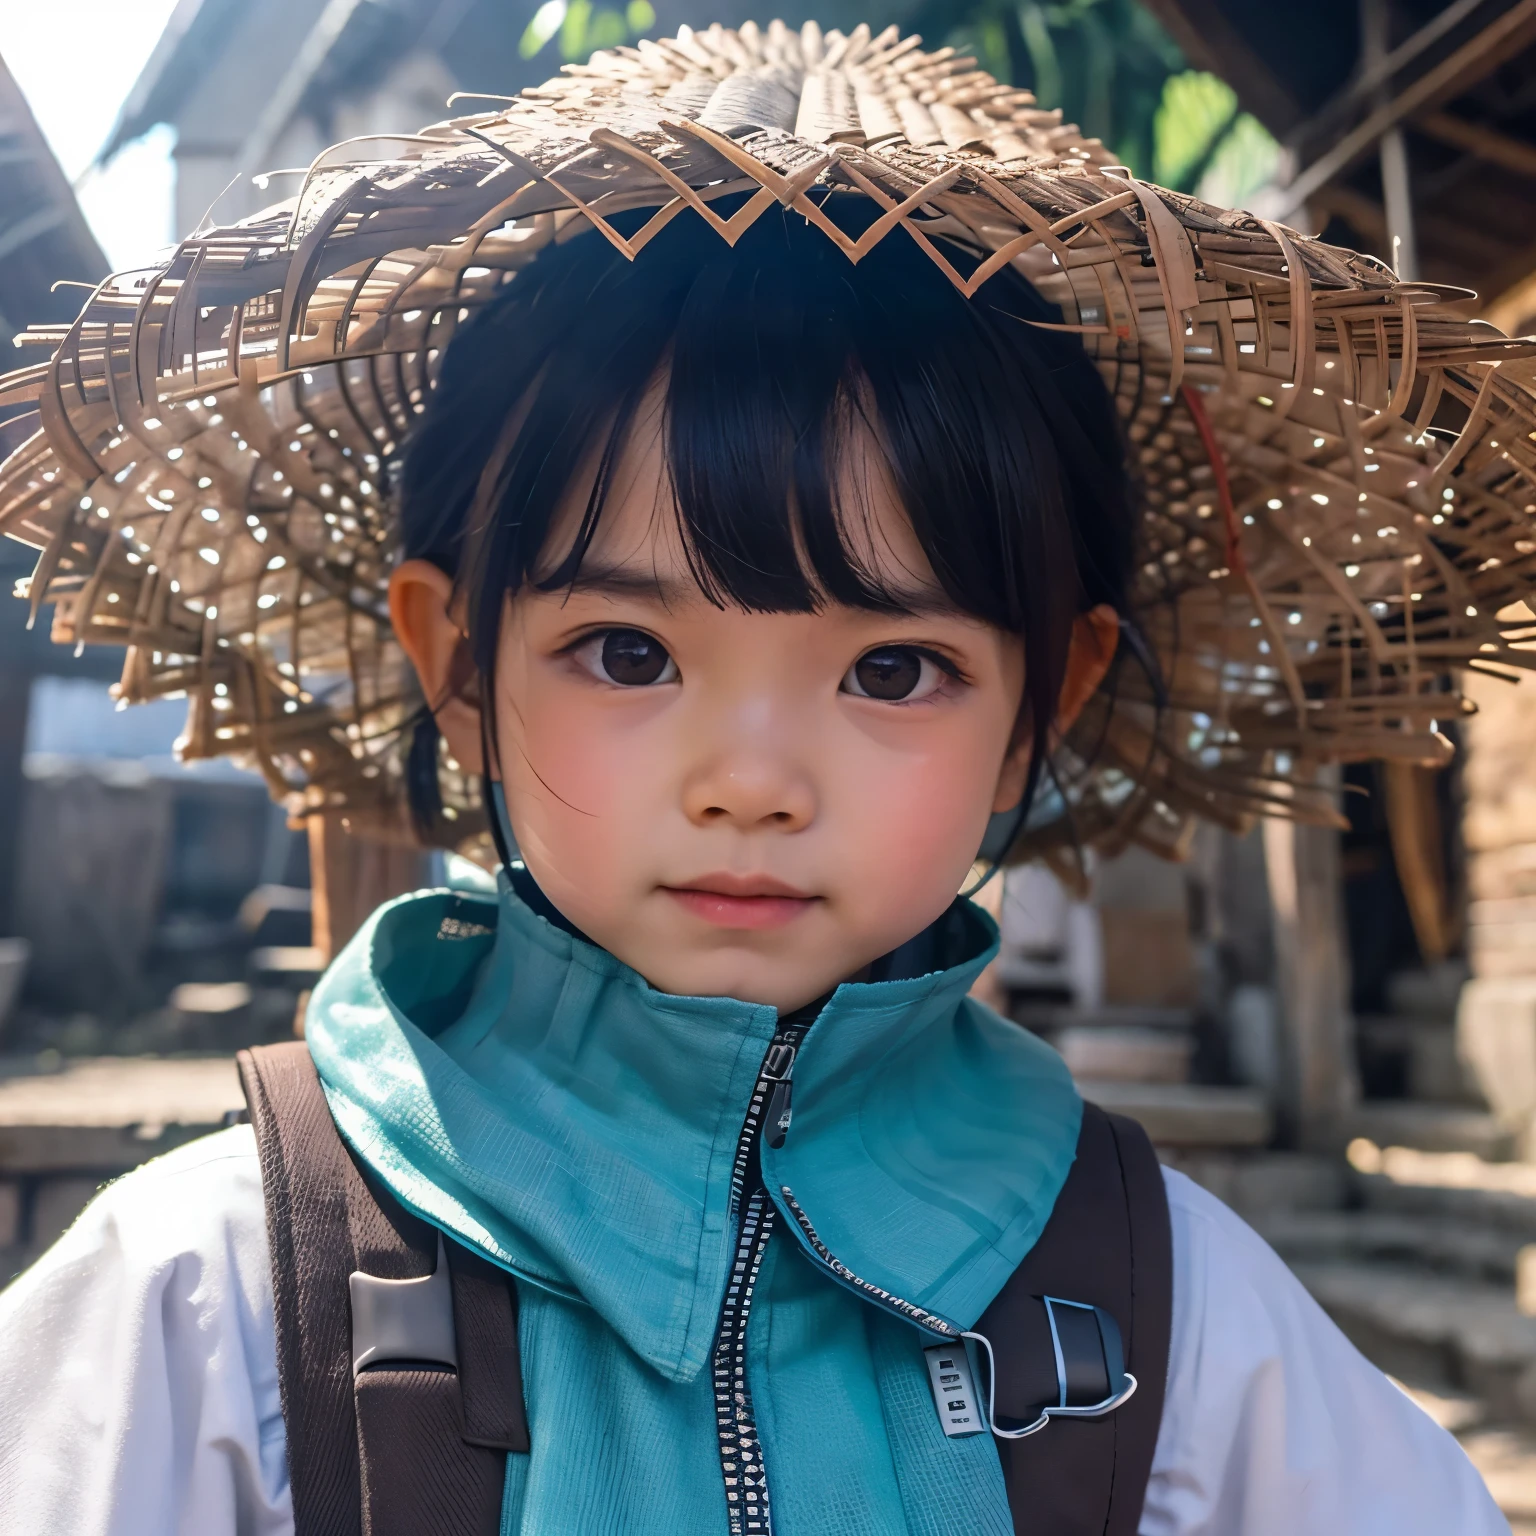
(1486, 143)
(1513, 304)
(1328, 117)
(1396, 177)
(1502, 281)
(1448, 251)
(1510, 34)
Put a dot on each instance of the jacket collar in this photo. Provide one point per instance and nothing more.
(526, 1091)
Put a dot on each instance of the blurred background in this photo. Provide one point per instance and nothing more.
(1336, 1031)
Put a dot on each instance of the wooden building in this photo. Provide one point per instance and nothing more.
(43, 239)
(1411, 129)
(264, 88)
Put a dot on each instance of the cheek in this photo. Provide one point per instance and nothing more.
(918, 817)
(576, 770)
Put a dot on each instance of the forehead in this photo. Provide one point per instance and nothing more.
(638, 541)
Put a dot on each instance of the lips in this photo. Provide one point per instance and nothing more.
(726, 900)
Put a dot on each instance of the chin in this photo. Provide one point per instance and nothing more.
(711, 981)
(762, 984)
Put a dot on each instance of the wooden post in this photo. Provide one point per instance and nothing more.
(1496, 1012)
(1312, 975)
(350, 876)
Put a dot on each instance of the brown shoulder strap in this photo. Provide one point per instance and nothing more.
(1107, 1244)
(402, 1447)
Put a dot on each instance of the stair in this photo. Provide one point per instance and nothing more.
(1187, 1114)
(1428, 1127)
(68, 1126)
(1418, 1257)
(1422, 1273)
(1504, 1454)
(1441, 1330)
(1441, 1245)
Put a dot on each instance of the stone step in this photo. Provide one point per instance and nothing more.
(1187, 1114)
(1049, 1018)
(1488, 1209)
(1440, 1330)
(1258, 1182)
(1427, 1127)
(1127, 1053)
(66, 1126)
(1429, 1243)
(1505, 1454)
(1451, 1187)
(107, 1114)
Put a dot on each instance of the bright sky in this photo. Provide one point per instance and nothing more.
(76, 60)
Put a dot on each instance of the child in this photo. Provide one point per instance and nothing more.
(757, 585)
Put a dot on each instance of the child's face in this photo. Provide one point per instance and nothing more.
(743, 804)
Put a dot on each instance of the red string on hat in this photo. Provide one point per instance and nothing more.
(1196, 407)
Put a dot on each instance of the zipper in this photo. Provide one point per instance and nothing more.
(756, 1212)
(741, 1452)
(869, 1291)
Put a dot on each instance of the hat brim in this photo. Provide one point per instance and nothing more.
(1336, 469)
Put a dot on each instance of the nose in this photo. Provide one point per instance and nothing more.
(751, 786)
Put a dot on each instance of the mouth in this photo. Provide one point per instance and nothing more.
(725, 900)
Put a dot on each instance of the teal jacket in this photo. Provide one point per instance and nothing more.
(525, 1091)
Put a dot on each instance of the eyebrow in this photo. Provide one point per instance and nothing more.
(632, 582)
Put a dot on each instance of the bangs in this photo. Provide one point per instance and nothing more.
(785, 367)
(778, 355)
(771, 496)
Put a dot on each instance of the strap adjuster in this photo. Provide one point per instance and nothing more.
(1091, 1378)
(399, 1321)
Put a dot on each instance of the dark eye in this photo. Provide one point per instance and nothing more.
(628, 657)
(893, 673)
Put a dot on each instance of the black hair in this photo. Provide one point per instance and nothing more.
(1000, 437)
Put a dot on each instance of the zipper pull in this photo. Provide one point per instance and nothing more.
(779, 1111)
(777, 1066)
(779, 1062)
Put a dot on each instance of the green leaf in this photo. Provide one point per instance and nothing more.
(573, 31)
(1196, 111)
(1245, 160)
(1042, 54)
(640, 15)
(546, 22)
(607, 29)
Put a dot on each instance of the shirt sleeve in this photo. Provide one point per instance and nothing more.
(1274, 1424)
(138, 1368)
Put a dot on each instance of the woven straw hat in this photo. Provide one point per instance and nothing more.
(1338, 471)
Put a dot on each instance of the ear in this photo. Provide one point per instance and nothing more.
(421, 609)
(1095, 636)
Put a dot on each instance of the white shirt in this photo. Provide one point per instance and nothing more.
(139, 1394)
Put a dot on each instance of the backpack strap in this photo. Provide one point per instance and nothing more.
(385, 1436)
(1107, 1244)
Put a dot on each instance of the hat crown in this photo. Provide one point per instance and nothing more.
(856, 89)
